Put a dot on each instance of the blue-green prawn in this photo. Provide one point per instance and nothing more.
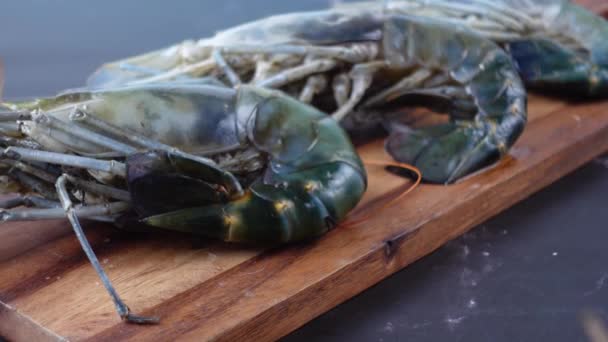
(228, 136)
(244, 165)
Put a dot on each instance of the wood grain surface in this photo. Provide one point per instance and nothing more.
(205, 290)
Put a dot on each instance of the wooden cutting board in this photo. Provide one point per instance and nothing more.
(208, 290)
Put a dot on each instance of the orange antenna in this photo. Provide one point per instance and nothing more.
(396, 199)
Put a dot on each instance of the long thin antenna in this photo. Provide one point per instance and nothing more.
(368, 214)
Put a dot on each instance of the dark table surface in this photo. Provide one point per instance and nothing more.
(525, 275)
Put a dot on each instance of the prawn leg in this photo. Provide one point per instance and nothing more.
(314, 85)
(232, 76)
(297, 73)
(99, 212)
(123, 310)
(362, 76)
(28, 201)
(109, 166)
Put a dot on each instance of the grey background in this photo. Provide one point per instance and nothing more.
(524, 276)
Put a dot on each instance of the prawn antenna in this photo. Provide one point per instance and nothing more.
(402, 166)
